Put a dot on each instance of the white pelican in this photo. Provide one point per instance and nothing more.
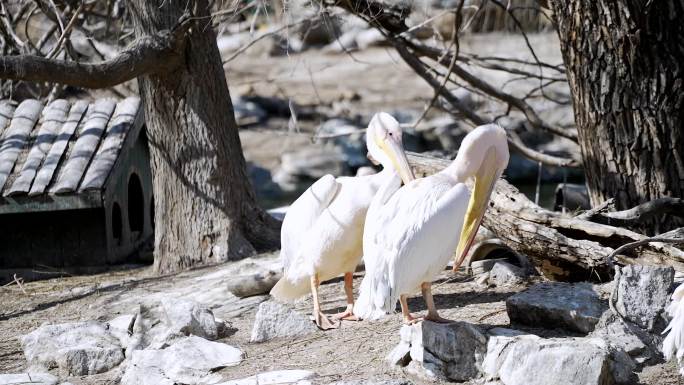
(413, 231)
(323, 229)
(673, 345)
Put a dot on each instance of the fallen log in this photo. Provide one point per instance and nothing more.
(561, 246)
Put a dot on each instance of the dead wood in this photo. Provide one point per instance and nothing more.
(562, 247)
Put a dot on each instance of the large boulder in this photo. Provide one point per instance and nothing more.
(575, 307)
(432, 350)
(158, 324)
(642, 293)
(531, 360)
(276, 377)
(274, 320)
(191, 360)
(28, 378)
(76, 348)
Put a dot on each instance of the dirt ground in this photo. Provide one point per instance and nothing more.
(353, 352)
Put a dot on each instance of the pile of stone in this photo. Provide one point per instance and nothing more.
(591, 343)
(170, 341)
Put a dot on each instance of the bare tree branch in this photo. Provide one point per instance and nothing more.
(152, 54)
(494, 92)
(672, 206)
(513, 139)
(675, 236)
(65, 33)
(635, 215)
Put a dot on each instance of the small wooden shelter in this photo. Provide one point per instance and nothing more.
(75, 185)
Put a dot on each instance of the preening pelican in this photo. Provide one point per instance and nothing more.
(323, 229)
(411, 232)
(673, 345)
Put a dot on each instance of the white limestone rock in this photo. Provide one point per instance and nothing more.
(274, 320)
(76, 348)
(191, 360)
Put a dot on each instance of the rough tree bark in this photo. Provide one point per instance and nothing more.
(625, 68)
(205, 207)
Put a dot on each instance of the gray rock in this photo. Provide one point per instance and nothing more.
(625, 336)
(484, 265)
(400, 355)
(343, 43)
(274, 320)
(505, 332)
(454, 351)
(188, 317)
(352, 146)
(262, 180)
(254, 284)
(503, 273)
(309, 164)
(121, 327)
(370, 37)
(248, 112)
(531, 360)
(275, 377)
(77, 348)
(641, 294)
(191, 360)
(28, 378)
(159, 324)
(550, 305)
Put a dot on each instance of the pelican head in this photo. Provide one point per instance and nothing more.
(383, 139)
(483, 156)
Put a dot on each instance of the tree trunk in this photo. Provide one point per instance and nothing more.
(625, 62)
(205, 207)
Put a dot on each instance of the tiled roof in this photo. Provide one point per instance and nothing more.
(61, 148)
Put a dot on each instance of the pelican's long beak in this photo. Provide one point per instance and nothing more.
(485, 178)
(395, 151)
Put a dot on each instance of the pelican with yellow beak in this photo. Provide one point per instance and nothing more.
(412, 232)
(321, 236)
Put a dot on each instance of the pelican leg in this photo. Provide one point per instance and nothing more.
(409, 319)
(321, 319)
(432, 315)
(348, 313)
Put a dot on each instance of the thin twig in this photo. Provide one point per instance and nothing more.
(65, 32)
(675, 237)
(454, 42)
(262, 36)
(18, 282)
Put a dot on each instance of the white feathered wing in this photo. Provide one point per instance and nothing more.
(299, 221)
(674, 342)
(409, 240)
